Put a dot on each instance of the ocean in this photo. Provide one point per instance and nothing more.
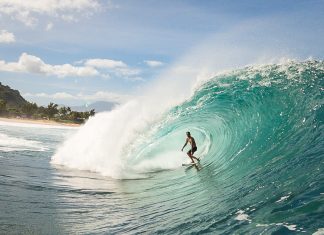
(260, 136)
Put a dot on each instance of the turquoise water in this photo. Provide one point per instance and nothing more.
(259, 132)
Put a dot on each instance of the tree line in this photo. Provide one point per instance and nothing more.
(51, 112)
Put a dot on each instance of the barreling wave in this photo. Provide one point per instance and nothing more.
(258, 117)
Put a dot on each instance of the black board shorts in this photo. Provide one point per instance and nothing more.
(191, 151)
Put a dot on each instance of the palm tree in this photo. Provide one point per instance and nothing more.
(29, 109)
(52, 110)
(92, 112)
(63, 111)
(3, 105)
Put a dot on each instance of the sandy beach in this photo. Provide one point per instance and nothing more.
(38, 121)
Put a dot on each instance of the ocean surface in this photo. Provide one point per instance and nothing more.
(260, 137)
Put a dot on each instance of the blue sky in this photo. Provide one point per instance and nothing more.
(79, 51)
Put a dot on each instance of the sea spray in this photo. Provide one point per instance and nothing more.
(114, 143)
(108, 143)
(103, 143)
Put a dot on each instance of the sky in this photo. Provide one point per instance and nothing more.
(76, 52)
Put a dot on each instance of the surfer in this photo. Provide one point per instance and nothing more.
(193, 149)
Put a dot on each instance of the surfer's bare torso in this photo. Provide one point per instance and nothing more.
(192, 142)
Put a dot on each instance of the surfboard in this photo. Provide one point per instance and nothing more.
(191, 164)
(188, 164)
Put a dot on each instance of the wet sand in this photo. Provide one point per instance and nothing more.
(38, 121)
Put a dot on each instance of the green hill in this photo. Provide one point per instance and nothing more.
(12, 97)
(12, 104)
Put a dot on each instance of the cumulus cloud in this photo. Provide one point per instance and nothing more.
(97, 96)
(28, 11)
(104, 68)
(6, 37)
(33, 64)
(115, 68)
(153, 63)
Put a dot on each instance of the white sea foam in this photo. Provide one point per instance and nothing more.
(291, 227)
(106, 143)
(319, 231)
(284, 198)
(242, 216)
(8, 144)
(262, 225)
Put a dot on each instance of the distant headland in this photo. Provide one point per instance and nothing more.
(13, 107)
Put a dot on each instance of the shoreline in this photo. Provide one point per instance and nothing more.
(38, 121)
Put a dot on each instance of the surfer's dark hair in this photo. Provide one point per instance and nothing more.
(188, 132)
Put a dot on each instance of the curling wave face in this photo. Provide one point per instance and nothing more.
(259, 132)
(255, 113)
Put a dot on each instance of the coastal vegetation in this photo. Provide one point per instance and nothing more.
(13, 105)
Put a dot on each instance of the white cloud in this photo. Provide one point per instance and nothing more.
(32, 64)
(105, 96)
(6, 37)
(69, 18)
(28, 11)
(104, 68)
(105, 63)
(153, 63)
(98, 96)
(136, 79)
(58, 95)
(127, 72)
(115, 67)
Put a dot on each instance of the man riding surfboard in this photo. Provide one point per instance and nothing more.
(193, 149)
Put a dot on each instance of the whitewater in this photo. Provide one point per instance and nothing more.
(259, 131)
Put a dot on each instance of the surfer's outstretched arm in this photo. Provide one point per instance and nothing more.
(184, 145)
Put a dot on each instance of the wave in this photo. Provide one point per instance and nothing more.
(251, 119)
(9, 144)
